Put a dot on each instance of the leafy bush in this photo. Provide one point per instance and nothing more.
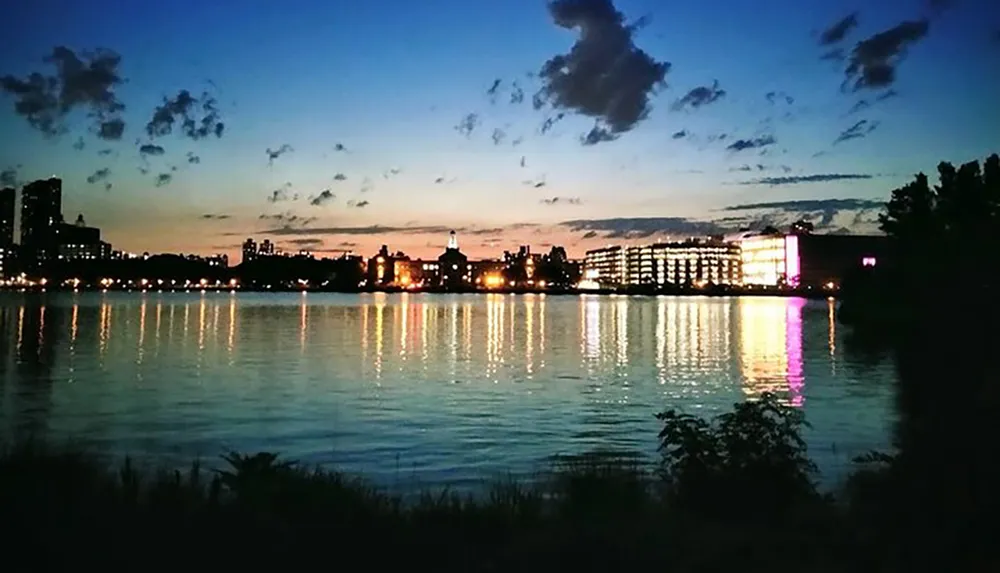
(748, 463)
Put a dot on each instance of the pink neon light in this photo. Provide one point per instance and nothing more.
(793, 351)
(868, 261)
(793, 268)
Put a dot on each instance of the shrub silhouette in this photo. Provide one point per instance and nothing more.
(750, 463)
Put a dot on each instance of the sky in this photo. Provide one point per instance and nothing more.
(339, 126)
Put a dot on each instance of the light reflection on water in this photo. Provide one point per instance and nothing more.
(442, 389)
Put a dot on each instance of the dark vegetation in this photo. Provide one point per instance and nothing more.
(737, 492)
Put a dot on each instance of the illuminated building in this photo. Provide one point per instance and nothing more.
(806, 260)
(606, 266)
(7, 198)
(41, 211)
(249, 250)
(489, 274)
(80, 242)
(454, 268)
(382, 267)
(693, 263)
(6, 261)
(266, 248)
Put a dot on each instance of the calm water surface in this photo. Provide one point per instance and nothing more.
(427, 389)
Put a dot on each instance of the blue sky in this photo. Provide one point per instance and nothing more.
(390, 80)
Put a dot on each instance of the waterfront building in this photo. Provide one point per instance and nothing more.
(454, 268)
(80, 242)
(691, 263)
(606, 267)
(41, 211)
(249, 250)
(8, 197)
(807, 260)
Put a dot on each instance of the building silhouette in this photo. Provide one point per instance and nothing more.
(249, 250)
(77, 241)
(41, 212)
(455, 270)
(7, 198)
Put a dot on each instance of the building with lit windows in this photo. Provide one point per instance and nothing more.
(7, 261)
(807, 260)
(78, 242)
(454, 268)
(8, 197)
(249, 250)
(41, 211)
(606, 267)
(690, 263)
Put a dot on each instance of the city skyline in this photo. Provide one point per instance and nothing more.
(335, 126)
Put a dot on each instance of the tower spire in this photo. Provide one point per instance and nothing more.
(453, 241)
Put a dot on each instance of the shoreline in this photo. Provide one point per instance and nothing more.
(811, 294)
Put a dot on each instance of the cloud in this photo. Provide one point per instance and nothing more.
(468, 124)
(108, 186)
(391, 172)
(824, 212)
(498, 136)
(340, 177)
(774, 97)
(86, 81)
(590, 234)
(856, 131)
(699, 96)
(215, 217)
(79, 144)
(680, 134)
(638, 228)
(164, 179)
(562, 201)
(753, 143)
(192, 158)
(8, 177)
(797, 179)
(361, 204)
(288, 221)
(105, 152)
(280, 194)
(325, 196)
(339, 147)
(494, 90)
(604, 75)
(873, 61)
(99, 175)
(307, 242)
(273, 154)
(516, 93)
(111, 129)
(150, 149)
(198, 117)
(839, 30)
(367, 185)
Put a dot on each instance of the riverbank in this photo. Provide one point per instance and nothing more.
(815, 294)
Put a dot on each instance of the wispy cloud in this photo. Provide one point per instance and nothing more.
(799, 179)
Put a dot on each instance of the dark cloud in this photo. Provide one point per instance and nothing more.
(562, 201)
(307, 242)
(108, 186)
(164, 179)
(99, 175)
(699, 96)
(494, 90)
(361, 204)
(105, 152)
(79, 144)
(775, 97)
(516, 141)
(860, 105)
(753, 143)
(680, 134)
(214, 217)
(325, 196)
(498, 136)
(340, 177)
(888, 94)
(590, 234)
(857, 131)
(524, 161)
(340, 147)
(834, 55)
(839, 30)
(597, 134)
(468, 124)
(516, 93)
(797, 179)
(273, 154)
(604, 75)
(111, 129)
(150, 149)
(289, 222)
(550, 122)
(86, 81)
(347, 244)
(192, 158)
(8, 177)
(391, 172)
(638, 228)
(873, 61)
(739, 168)
(822, 212)
(357, 231)
(198, 117)
(280, 194)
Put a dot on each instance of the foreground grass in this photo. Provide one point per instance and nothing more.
(732, 494)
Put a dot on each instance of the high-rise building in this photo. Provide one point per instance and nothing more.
(266, 248)
(7, 198)
(41, 212)
(249, 250)
(80, 242)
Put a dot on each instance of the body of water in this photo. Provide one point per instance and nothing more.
(419, 389)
